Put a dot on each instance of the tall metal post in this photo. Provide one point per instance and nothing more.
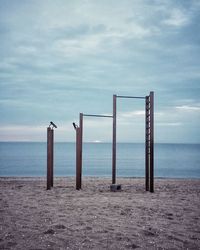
(114, 140)
(152, 141)
(49, 157)
(147, 118)
(81, 145)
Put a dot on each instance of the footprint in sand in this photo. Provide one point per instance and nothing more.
(49, 231)
(60, 226)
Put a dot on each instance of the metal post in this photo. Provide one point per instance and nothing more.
(152, 142)
(78, 172)
(49, 158)
(114, 140)
(81, 145)
(52, 156)
(147, 143)
(50, 142)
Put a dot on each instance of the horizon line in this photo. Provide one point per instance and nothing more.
(98, 142)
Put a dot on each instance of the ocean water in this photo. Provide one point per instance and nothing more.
(29, 159)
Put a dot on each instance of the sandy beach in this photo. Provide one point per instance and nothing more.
(95, 218)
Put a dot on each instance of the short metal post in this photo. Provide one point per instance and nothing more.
(50, 142)
(78, 165)
(152, 142)
(49, 158)
(114, 140)
(52, 156)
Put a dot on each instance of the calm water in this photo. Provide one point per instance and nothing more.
(29, 159)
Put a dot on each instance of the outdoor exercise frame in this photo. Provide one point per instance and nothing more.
(79, 143)
(149, 141)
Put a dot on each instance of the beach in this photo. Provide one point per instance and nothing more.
(34, 218)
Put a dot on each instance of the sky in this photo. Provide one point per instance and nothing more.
(60, 58)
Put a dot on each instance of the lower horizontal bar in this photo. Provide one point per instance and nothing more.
(136, 97)
(108, 116)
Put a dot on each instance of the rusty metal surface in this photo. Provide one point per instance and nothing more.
(52, 155)
(78, 166)
(114, 139)
(81, 145)
(49, 158)
(147, 143)
(152, 142)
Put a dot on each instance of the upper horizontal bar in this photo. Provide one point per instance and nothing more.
(109, 116)
(124, 96)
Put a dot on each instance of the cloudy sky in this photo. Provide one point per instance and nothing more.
(63, 57)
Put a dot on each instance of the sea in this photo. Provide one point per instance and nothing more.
(29, 159)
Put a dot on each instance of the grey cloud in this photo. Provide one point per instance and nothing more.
(58, 53)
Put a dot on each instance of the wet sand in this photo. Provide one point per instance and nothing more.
(95, 218)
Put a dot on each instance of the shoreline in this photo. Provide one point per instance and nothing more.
(97, 177)
(95, 218)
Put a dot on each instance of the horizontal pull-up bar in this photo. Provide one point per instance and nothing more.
(136, 97)
(109, 116)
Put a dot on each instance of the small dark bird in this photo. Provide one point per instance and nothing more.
(75, 126)
(53, 124)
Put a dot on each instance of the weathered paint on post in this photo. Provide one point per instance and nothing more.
(49, 157)
(52, 156)
(152, 141)
(147, 143)
(78, 172)
(81, 145)
(114, 140)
